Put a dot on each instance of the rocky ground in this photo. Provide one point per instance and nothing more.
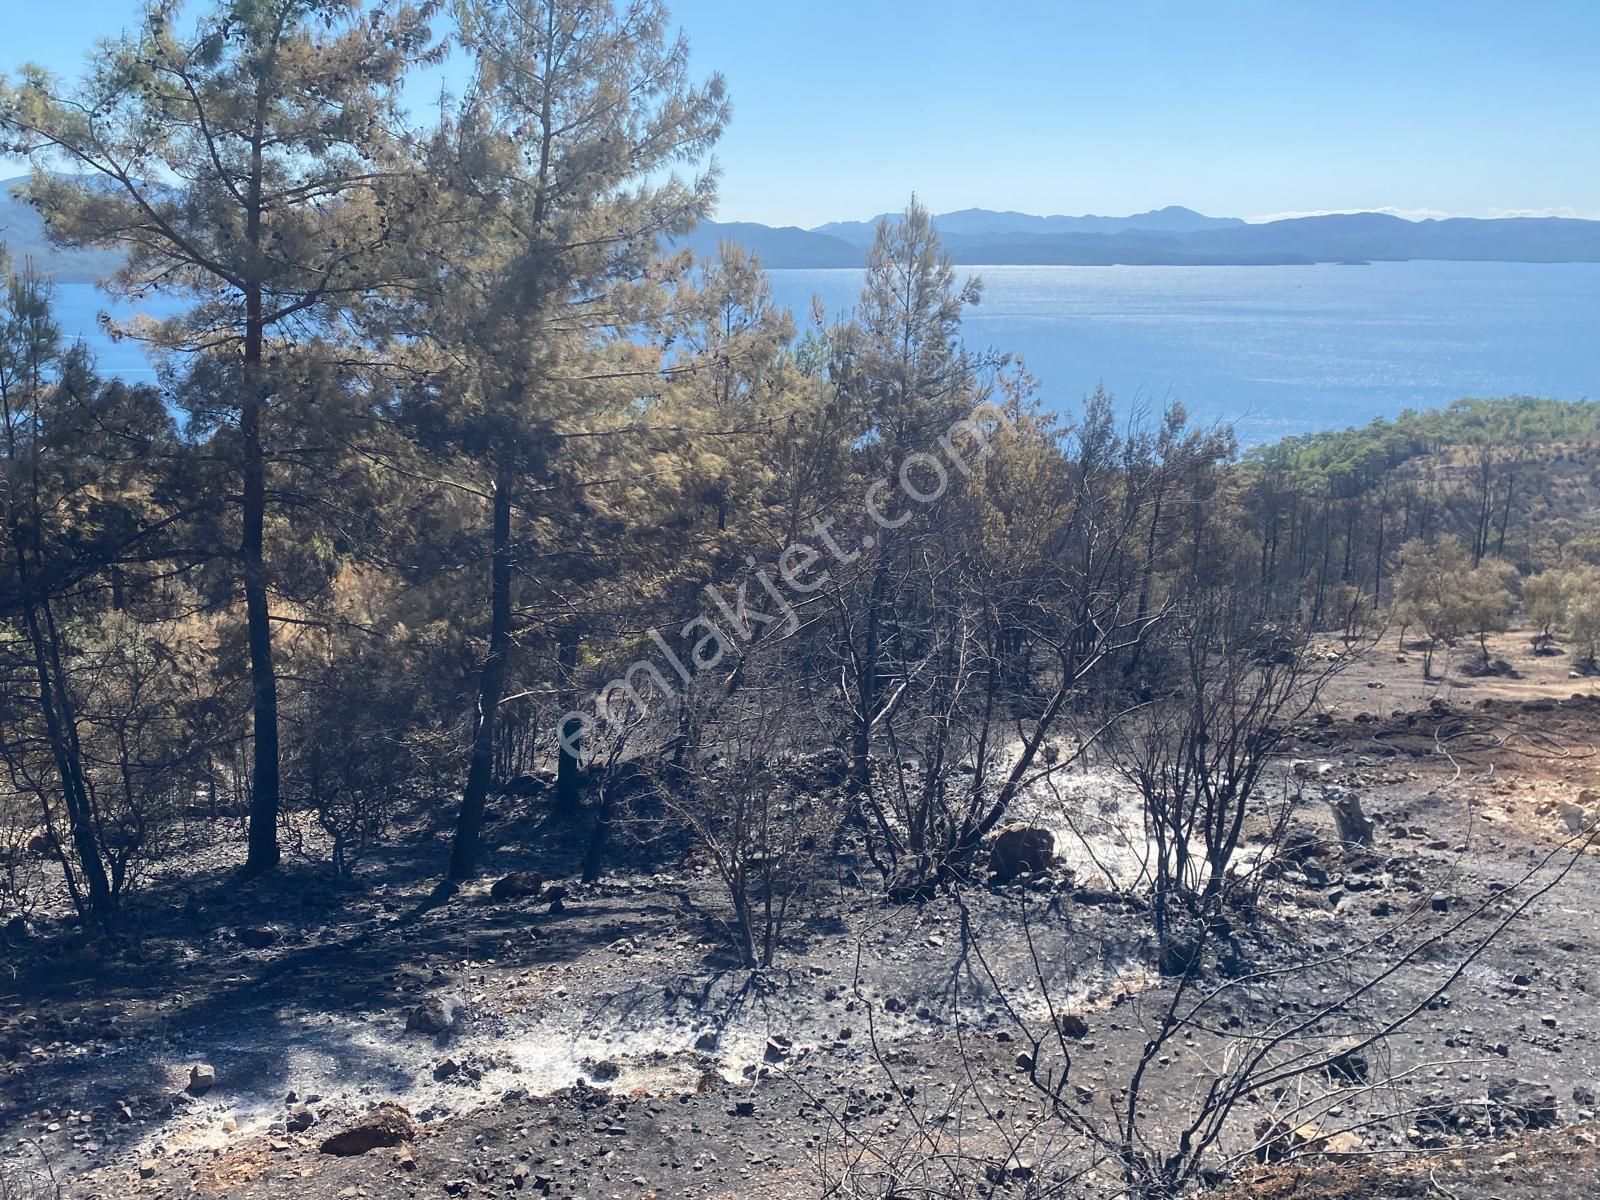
(612, 1048)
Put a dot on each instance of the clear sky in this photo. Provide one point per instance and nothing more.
(1250, 108)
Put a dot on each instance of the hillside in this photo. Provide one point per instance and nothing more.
(23, 236)
(1181, 237)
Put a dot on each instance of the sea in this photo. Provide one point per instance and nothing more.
(1273, 351)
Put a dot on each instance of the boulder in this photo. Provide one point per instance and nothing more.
(385, 1125)
(517, 885)
(1278, 1140)
(1520, 1105)
(1575, 816)
(1350, 1064)
(1355, 827)
(436, 1015)
(1072, 1026)
(260, 937)
(1021, 848)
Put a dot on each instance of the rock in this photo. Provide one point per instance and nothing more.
(1278, 1140)
(1521, 1105)
(517, 885)
(259, 938)
(436, 1015)
(385, 1125)
(1343, 1147)
(1018, 1168)
(523, 787)
(301, 1120)
(707, 1041)
(1355, 827)
(202, 1078)
(1350, 1065)
(1021, 848)
(1179, 955)
(1575, 816)
(147, 1169)
(1073, 1026)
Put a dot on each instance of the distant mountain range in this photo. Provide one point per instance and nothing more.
(1180, 237)
(22, 235)
(976, 236)
(983, 222)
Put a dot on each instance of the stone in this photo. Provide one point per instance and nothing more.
(1073, 1026)
(202, 1078)
(1345, 1146)
(147, 1169)
(1575, 816)
(386, 1125)
(517, 885)
(260, 937)
(436, 1015)
(301, 1120)
(1355, 827)
(1523, 1105)
(1019, 849)
(1350, 1064)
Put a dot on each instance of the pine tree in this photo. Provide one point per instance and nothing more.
(242, 163)
(554, 193)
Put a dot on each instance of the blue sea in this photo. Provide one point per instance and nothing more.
(1274, 350)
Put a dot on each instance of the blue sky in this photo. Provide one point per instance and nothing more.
(1234, 107)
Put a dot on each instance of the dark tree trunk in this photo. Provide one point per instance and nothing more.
(867, 687)
(60, 728)
(263, 854)
(568, 801)
(464, 852)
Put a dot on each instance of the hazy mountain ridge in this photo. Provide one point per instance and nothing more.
(987, 222)
(1171, 236)
(23, 237)
(1179, 236)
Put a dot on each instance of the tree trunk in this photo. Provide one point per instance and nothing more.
(60, 729)
(464, 853)
(263, 853)
(568, 802)
(867, 689)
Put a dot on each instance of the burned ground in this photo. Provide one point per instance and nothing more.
(615, 1048)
